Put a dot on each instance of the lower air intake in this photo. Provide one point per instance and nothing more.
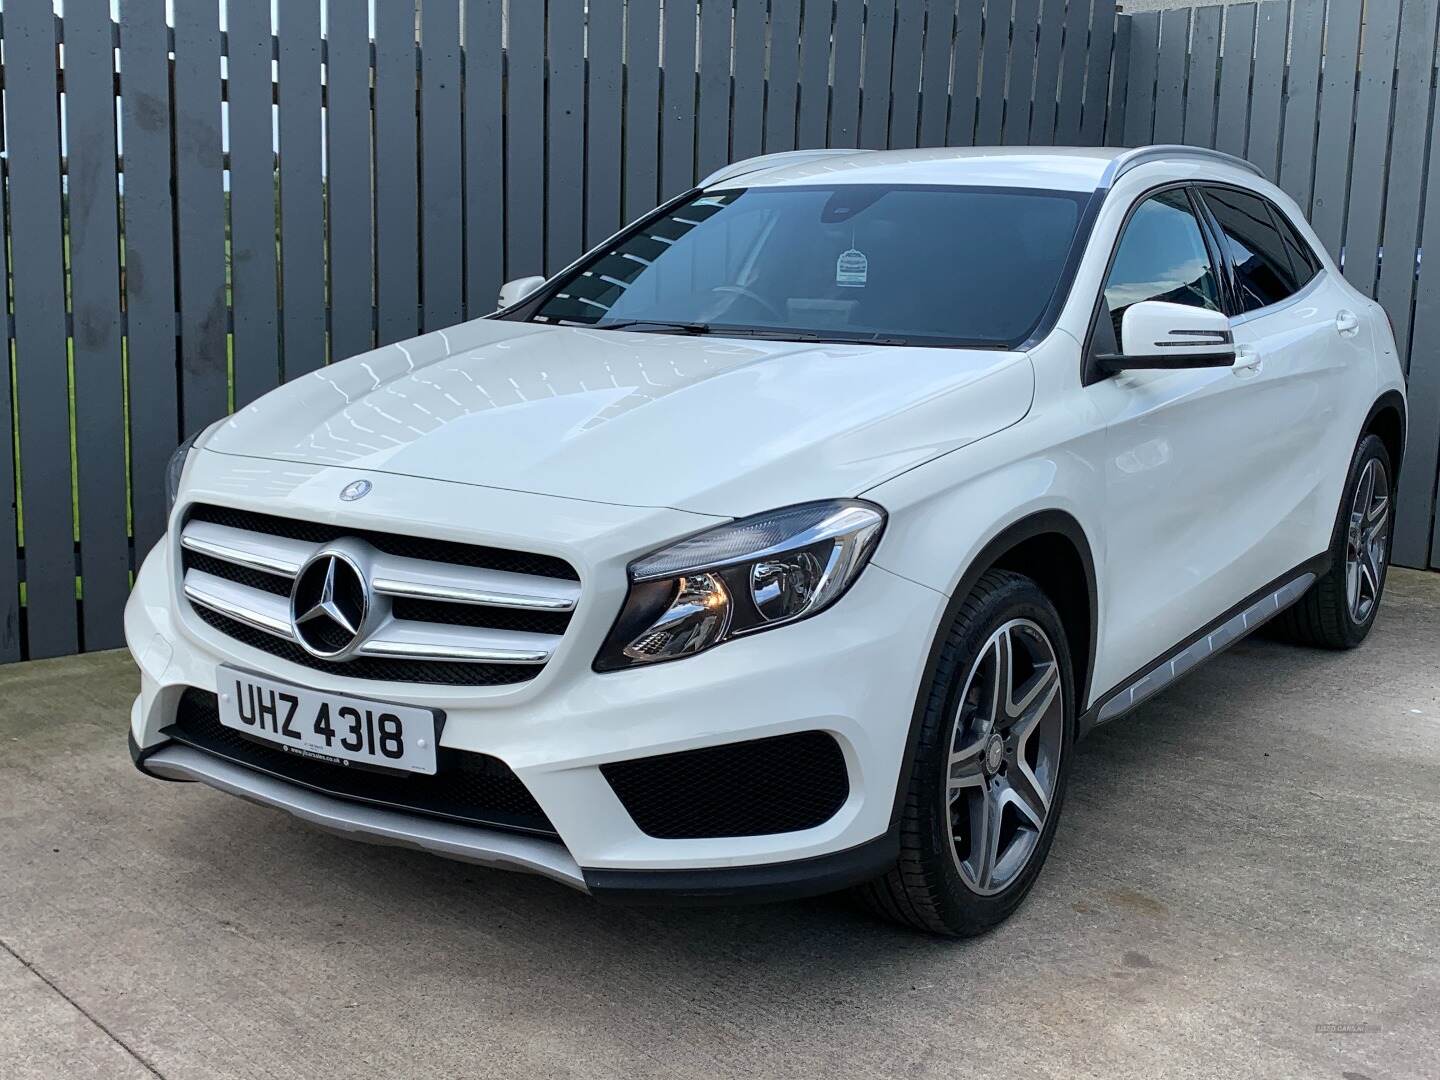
(777, 785)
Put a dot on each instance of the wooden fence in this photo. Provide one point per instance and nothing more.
(1336, 102)
(272, 198)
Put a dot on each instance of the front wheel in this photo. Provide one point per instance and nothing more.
(989, 774)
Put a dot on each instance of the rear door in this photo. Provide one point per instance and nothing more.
(1303, 340)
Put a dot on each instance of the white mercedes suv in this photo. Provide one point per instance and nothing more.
(791, 538)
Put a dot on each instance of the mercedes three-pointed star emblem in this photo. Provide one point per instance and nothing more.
(328, 605)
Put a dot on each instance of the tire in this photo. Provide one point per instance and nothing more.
(940, 883)
(1328, 616)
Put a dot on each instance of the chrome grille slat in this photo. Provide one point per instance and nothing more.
(535, 602)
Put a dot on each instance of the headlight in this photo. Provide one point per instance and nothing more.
(741, 578)
(176, 469)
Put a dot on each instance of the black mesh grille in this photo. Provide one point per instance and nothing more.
(776, 785)
(411, 547)
(473, 788)
(370, 667)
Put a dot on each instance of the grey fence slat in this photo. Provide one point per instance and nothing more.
(605, 36)
(149, 279)
(1405, 178)
(254, 304)
(1073, 44)
(1415, 507)
(1047, 73)
(1337, 103)
(965, 82)
(642, 106)
(905, 75)
(1140, 84)
(1267, 88)
(784, 80)
(525, 142)
(1200, 86)
(1233, 111)
(875, 82)
(935, 71)
(484, 125)
(1372, 139)
(95, 302)
(442, 216)
(1018, 88)
(994, 62)
(200, 216)
(565, 133)
(397, 248)
(712, 114)
(814, 106)
(1297, 149)
(9, 523)
(349, 157)
(302, 209)
(1107, 72)
(1170, 76)
(747, 120)
(677, 118)
(42, 406)
(845, 95)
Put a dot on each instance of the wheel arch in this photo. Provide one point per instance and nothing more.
(1387, 420)
(1048, 546)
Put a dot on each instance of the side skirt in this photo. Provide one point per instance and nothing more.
(1240, 621)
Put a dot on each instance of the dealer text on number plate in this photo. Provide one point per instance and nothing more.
(313, 723)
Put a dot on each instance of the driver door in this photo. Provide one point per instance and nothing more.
(1182, 525)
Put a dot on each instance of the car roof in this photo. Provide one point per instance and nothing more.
(1062, 168)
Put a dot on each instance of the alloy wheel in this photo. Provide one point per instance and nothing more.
(1368, 541)
(1004, 760)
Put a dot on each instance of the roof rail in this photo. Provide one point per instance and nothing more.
(1143, 155)
(770, 161)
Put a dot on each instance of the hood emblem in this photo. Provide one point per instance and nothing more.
(356, 489)
(328, 605)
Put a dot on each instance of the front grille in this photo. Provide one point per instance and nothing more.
(776, 785)
(501, 626)
(473, 788)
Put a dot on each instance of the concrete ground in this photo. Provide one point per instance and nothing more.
(1246, 883)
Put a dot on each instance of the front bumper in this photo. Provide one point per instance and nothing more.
(852, 672)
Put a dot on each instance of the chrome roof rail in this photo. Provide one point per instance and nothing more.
(1143, 155)
(765, 162)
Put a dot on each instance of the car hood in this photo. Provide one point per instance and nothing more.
(714, 425)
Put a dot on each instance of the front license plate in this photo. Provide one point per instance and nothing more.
(333, 727)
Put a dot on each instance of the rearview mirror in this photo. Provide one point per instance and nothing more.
(1157, 334)
(512, 292)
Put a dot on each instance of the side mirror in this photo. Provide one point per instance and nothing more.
(512, 292)
(1161, 335)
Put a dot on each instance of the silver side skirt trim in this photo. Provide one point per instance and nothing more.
(487, 847)
(1203, 648)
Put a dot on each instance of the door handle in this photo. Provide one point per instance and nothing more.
(1346, 323)
(1247, 360)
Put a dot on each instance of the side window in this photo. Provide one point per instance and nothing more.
(1264, 273)
(1302, 257)
(1162, 256)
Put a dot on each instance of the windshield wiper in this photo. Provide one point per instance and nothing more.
(659, 327)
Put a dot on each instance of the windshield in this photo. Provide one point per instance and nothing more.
(907, 265)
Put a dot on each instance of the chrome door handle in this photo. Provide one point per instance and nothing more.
(1346, 322)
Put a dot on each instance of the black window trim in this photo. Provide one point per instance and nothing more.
(1091, 372)
(1276, 217)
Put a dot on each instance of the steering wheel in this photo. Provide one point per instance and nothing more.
(752, 296)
